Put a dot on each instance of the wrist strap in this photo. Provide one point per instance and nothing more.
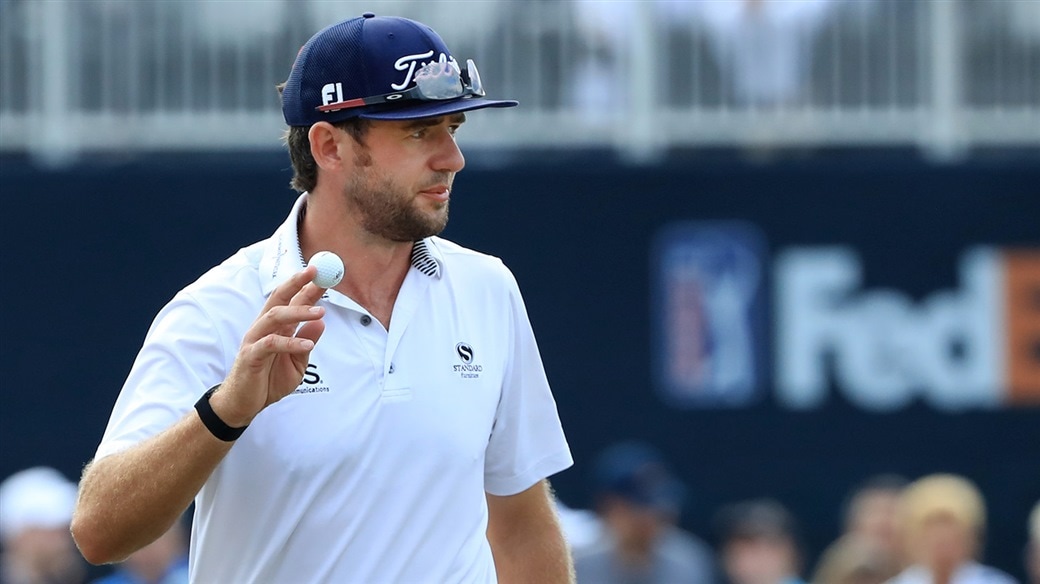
(212, 421)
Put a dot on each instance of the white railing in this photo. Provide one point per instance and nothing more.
(640, 75)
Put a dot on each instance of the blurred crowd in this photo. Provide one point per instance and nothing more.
(768, 54)
(639, 76)
(929, 531)
(36, 547)
(580, 54)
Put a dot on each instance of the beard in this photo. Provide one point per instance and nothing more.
(389, 211)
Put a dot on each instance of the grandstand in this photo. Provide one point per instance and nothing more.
(642, 77)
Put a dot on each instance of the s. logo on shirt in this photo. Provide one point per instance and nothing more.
(311, 382)
(468, 369)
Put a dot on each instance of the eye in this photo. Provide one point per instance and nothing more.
(419, 134)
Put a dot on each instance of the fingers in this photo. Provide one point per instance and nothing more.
(311, 331)
(272, 344)
(298, 290)
(285, 292)
(282, 320)
(275, 349)
(290, 304)
(309, 294)
(260, 352)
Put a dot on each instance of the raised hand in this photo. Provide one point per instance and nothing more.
(273, 356)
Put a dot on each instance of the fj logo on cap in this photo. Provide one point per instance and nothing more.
(331, 93)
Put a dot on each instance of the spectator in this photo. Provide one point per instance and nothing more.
(763, 47)
(852, 560)
(164, 561)
(639, 501)
(759, 543)
(35, 511)
(581, 528)
(872, 513)
(1023, 19)
(869, 545)
(600, 83)
(1033, 549)
(943, 517)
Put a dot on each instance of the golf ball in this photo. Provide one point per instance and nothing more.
(330, 269)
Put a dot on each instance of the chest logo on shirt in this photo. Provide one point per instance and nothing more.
(468, 369)
(311, 382)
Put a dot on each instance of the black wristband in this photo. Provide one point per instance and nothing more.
(212, 421)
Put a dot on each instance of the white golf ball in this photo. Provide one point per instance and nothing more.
(330, 269)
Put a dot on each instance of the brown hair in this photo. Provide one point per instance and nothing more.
(305, 169)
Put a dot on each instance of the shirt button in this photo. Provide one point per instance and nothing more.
(366, 320)
(391, 368)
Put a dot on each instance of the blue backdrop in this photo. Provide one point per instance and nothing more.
(91, 253)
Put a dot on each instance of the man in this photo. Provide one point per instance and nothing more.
(759, 543)
(395, 428)
(869, 548)
(639, 501)
(872, 513)
(943, 518)
(35, 509)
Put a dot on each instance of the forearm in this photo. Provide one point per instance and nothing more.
(526, 538)
(129, 499)
(534, 557)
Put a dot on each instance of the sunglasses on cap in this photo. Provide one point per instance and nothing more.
(435, 81)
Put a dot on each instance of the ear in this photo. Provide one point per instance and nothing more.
(325, 145)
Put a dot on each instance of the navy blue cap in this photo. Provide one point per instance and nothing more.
(363, 57)
(637, 473)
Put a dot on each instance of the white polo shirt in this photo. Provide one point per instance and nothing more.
(375, 468)
(967, 573)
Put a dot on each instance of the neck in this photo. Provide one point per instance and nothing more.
(635, 552)
(943, 573)
(375, 267)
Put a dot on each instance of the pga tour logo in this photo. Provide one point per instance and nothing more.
(708, 303)
(467, 370)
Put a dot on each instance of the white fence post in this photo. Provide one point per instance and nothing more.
(945, 136)
(56, 141)
(638, 136)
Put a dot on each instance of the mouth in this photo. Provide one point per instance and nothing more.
(439, 193)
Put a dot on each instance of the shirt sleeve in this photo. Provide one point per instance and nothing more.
(527, 442)
(181, 358)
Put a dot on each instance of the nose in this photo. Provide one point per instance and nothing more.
(449, 157)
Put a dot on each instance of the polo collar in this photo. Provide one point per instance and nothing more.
(282, 255)
(426, 258)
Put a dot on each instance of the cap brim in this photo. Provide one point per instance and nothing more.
(430, 109)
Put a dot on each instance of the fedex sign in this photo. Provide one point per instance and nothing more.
(974, 346)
